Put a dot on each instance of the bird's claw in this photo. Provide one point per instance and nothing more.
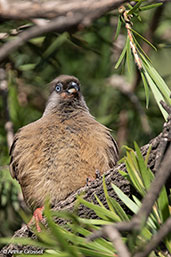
(37, 217)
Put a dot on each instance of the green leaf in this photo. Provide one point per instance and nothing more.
(59, 234)
(124, 174)
(146, 233)
(23, 241)
(157, 95)
(159, 82)
(134, 31)
(150, 6)
(168, 243)
(94, 221)
(94, 253)
(118, 28)
(134, 174)
(26, 67)
(163, 205)
(107, 195)
(56, 44)
(139, 49)
(100, 245)
(129, 59)
(148, 154)
(99, 202)
(101, 212)
(135, 7)
(145, 174)
(150, 221)
(122, 55)
(119, 210)
(125, 199)
(145, 87)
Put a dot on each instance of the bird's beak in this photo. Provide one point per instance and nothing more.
(73, 89)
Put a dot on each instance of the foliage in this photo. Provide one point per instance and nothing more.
(149, 75)
(70, 239)
(91, 55)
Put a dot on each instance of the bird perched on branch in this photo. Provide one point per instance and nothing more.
(53, 156)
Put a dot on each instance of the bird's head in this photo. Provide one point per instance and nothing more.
(65, 95)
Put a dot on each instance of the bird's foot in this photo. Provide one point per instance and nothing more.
(89, 180)
(37, 217)
(97, 174)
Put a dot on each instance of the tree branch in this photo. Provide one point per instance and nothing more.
(68, 20)
(18, 10)
(116, 239)
(96, 187)
(139, 219)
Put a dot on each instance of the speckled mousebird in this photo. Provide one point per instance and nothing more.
(53, 156)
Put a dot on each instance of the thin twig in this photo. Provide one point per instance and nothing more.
(166, 107)
(115, 238)
(164, 230)
(128, 26)
(120, 226)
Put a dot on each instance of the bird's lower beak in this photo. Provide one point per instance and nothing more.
(72, 90)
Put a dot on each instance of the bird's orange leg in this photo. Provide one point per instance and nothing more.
(37, 217)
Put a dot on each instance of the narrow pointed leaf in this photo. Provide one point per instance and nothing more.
(101, 212)
(118, 28)
(157, 95)
(119, 210)
(150, 6)
(125, 199)
(121, 56)
(99, 202)
(107, 195)
(148, 154)
(129, 57)
(146, 178)
(163, 205)
(159, 83)
(140, 50)
(150, 44)
(135, 7)
(146, 88)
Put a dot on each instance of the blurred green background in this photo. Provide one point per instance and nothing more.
(90, 55)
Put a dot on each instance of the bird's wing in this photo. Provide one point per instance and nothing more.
(112, 150)
(115, 149)
(14, 160)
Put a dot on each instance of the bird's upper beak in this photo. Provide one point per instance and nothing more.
(73, 88)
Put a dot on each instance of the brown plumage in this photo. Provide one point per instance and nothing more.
(53, 156)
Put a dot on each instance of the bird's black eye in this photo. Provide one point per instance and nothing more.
(58, 87)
